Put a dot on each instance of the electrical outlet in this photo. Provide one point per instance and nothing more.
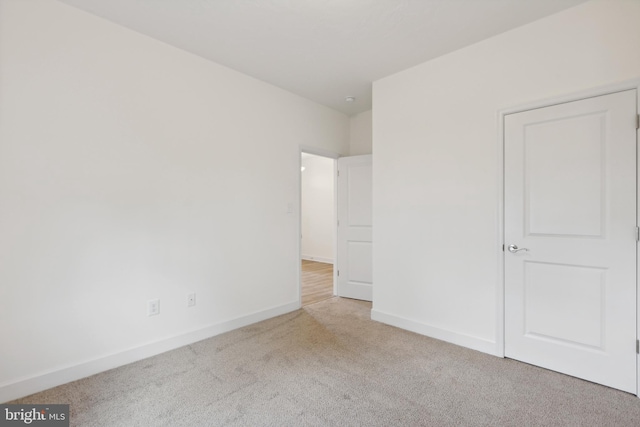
(153, 307)
(191, 300)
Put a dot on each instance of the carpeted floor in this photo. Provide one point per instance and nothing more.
(328, 364)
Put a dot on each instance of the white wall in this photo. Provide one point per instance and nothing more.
(130, 170)
(361, 133)
(436, 172)
(318, 208)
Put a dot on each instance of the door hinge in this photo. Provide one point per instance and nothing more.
(637, 234)
(637, 346)
(338, 273)
(502, 248)
(637, 121)
(338, 172)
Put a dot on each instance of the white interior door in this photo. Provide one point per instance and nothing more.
(570, 212)
(355, 269)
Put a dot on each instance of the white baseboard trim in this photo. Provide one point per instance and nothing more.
(26, 386)
(317, 259)
(463, 340)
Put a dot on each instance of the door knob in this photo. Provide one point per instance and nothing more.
(513, 249)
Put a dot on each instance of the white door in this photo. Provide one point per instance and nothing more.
(570, 209)
(355, 269)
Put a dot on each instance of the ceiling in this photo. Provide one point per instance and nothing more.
(323, 50)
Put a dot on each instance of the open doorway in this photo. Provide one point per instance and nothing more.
(318, 227)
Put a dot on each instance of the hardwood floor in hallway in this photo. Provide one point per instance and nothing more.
(317, 281)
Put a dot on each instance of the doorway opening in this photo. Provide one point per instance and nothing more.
(317, 228)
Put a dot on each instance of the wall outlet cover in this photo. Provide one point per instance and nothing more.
(153, 307)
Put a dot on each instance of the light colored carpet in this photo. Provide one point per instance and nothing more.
(330, 365)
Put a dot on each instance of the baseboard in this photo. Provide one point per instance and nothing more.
(463, 340)
(44, 381)
(317, 259)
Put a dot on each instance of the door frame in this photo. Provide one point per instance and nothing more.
(547, 102)
(333, 156)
